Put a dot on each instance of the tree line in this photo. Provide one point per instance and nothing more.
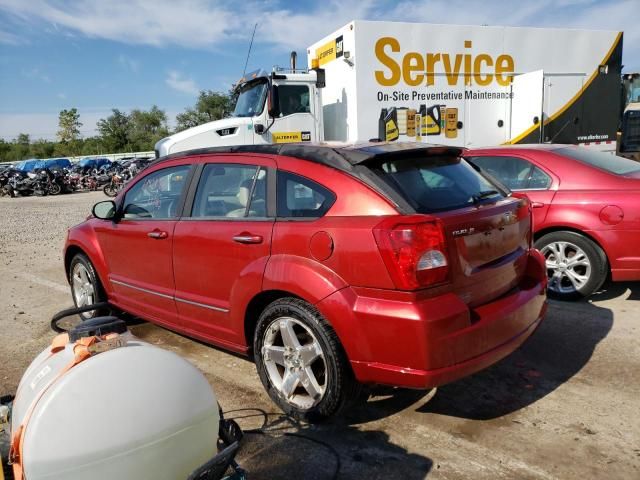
(120, 132)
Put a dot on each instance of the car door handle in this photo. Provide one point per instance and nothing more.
(537, 204)
(157, 235)
(247, 238)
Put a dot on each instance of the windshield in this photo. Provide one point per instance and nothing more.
(251, 100)
(604, 161)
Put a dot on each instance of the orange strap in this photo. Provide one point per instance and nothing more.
(81, 352)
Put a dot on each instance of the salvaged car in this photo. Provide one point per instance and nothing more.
(332, 266)
(585, 211)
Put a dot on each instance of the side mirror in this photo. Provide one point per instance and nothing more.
(274, 101)
(104, 210)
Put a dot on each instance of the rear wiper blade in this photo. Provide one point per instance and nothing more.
(484, 194)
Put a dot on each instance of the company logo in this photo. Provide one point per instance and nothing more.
(290, 137)
(330, 51)
(417, 69)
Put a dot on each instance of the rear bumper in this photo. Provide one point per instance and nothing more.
(423, 343)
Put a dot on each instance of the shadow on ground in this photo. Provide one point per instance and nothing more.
(280, 447)
(611, 290)
(557, 351)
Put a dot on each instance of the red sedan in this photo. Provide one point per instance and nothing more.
(383, 263)
(586, 210)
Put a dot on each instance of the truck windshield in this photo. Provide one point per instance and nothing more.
(251, 100)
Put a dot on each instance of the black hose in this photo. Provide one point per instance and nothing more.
(74, 311)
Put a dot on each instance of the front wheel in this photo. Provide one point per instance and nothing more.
(86, 288)
(576, 266)
(301, 362)
(110, 190)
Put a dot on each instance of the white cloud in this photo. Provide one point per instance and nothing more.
(191, 23)
(9, 38)
(206, 24)
(179, 82)
(128, 63)
(36, 74)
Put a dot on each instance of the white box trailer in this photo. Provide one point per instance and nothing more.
(470, 85)
(446, 84)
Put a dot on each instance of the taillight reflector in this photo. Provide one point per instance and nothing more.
(414, 251)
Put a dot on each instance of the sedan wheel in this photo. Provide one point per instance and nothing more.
(576, 266)
(568, 267)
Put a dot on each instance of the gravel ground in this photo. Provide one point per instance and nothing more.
(565, 406)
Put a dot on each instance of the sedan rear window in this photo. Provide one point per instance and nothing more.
(436, 184)
(604, 161)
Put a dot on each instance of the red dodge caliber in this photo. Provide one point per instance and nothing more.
(398, 264)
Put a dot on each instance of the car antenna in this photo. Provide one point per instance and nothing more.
(249, 52)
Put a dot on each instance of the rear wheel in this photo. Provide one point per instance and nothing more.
(576, 266)
(86, 288)
(301, 362)
(55, 189)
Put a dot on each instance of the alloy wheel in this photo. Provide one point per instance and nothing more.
(83, 289)
(295, 362)
(568, 267)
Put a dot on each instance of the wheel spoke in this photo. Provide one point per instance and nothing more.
(310, 383)
(289, 338)
(289, 383)
(577, 280)
(578, 259)
(84, 276)
(308, 353)
(273, 353)
(551, 264)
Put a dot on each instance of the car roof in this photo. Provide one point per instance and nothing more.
(343, 156)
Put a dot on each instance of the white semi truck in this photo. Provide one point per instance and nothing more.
(453, 85)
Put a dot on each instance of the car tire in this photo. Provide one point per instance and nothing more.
(86, 288)
(576, 266)
(301, 362)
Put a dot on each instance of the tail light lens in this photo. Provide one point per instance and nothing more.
(414, 251)
(525, 210)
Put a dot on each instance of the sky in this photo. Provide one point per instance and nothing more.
(98, 55)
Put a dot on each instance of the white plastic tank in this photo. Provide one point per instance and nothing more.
(131, 411)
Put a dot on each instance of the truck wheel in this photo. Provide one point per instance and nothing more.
(301, 362)
(86, 288)
(576, 266)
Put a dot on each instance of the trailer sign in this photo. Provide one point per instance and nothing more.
(425, 76)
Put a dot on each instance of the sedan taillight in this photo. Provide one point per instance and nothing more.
(414, 251)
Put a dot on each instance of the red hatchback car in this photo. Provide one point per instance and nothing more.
(586, 210)
(333, 266)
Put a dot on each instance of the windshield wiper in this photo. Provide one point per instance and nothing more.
(478, 197)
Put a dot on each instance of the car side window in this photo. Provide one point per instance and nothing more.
(300, 197)
(157, 195)
(515, 173)
(231, 191)
(293, 99)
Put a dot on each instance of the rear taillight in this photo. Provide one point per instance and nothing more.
(414, 251)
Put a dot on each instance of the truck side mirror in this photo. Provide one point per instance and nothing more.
(274, 101)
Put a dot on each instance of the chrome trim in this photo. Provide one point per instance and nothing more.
(210, 307)
(117, 282)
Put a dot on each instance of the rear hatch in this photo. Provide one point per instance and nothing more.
(487, 231)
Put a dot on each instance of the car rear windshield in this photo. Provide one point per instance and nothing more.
(603, 161)
(437, 184)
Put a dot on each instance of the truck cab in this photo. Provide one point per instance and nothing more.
(278, 107)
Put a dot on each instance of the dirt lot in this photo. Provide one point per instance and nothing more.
(564, 406)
